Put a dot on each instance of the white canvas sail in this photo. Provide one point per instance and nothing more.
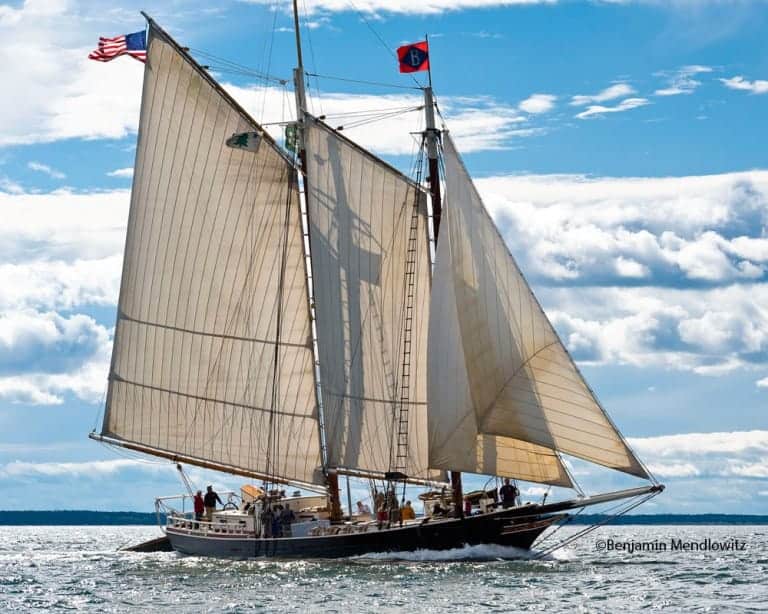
(214, 258)
(497, 366)
(360, 213)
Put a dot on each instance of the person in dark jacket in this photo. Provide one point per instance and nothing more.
(509, 493)
(211, 497)
(287, 517)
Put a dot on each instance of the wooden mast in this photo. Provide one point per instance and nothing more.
(433, 134)
(332, 478)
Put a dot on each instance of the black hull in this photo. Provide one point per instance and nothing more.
(505, 528)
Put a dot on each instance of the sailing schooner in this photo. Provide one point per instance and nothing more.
(243, 348)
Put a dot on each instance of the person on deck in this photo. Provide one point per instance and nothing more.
(406, 512)
(286, 518)
(381, 507)
(199, 507)
(277, 524)
(363, 509)
(211, 496)
(267, 516)
(467, 507)
(437, 510)
(509, 493)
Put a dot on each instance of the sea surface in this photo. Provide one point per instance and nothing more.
(52, 569)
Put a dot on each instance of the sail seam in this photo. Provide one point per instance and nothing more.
(215, 335)
(116, 378)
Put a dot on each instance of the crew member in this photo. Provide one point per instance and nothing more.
(509, 493)
(211, 496)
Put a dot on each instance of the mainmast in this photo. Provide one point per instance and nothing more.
(433, 135)
(332, 478)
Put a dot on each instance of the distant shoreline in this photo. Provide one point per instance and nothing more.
(92, 518)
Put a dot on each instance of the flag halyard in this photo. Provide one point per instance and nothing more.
(414, 57)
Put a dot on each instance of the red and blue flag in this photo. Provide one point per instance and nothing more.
(134, 45)
(414, 57)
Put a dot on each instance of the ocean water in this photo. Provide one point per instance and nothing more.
(51, 569)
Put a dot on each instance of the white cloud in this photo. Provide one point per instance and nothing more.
(477, 123)
(762, 383)
(669, 271)
(707, 229)
(624, 105)
(45, 169)
(121, 172)
(618, 90)
(65, 95)
(87, 469)
(404, 7)
(682, 81)
(62, 225)
(55, 284)
(758, 86)
(740, 454)
(44, 356)
(538, 103)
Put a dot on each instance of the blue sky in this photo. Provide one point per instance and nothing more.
(620, 146)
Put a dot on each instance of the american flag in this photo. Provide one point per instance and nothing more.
(134, 45)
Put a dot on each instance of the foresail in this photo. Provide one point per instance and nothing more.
(360, 213)
(510, 374)
(456, 440)
(212, 232)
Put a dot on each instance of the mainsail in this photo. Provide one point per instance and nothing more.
(361, 211)
(504, 393)
(212, 358)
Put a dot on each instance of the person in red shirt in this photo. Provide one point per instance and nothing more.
(199, 507)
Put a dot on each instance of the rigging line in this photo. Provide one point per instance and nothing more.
(366, 112)
(631, 504)
(314, 64)
(364, 82)
(273, 443)
(390, 50)
(246, 73)
(236, 66)
(269, 55)
(377, 118)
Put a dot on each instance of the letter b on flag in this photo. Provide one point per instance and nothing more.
(414, 57)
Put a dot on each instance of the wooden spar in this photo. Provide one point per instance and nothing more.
(199, 462)
(437, 209)
(332, 479)
(380, 475)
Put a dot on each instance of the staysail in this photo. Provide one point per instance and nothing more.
(361, 211)
(212, 359)
(501, 384)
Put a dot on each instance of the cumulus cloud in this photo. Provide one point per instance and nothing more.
(738, 82)
(670, 270)
(762, 383)
(741, 454)
(538, 103)
(64, 94)
(706, 230)
(682, 80)
(62, 225)
(45, 355)
(624, 105)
